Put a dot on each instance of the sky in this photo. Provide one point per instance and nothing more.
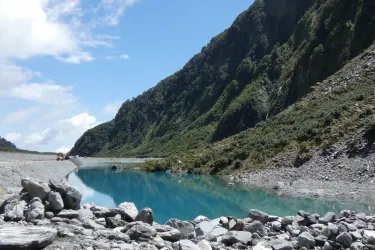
(67, 66)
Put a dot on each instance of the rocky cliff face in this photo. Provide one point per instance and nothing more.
(270, 58)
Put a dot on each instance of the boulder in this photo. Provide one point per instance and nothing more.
(276, 226)
(146, 215)
(305, 239)
(258, 215)
(280, 244)
(113, 222)
(356, 246)
(26, 237)
(328, 217)
(235, 225)
(186, 245)
(68, 214)
(256, 227)
(58, 187)
(204, 245)
(24, 181)
(218, 231)
(84, 214)
(72, 198)
(141, 232)
(168, 233)
(14, 211)
(185, 227)
(91, 224)
(344, 239)
(200, 219)
(35, 210)
(331, 231)
(37, 188)
(233, 237)
(129, 209)
(288, 220)
(204, 228)
(49, 215)
(55, 201)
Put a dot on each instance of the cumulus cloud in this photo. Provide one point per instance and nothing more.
(115, 9)
(112, 108)
(13, 137)
(125, 56)
(18, 116)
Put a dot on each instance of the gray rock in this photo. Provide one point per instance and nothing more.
(24, 181)
(233, 237)
(279, 244)
(68, 214)
(58, 186)
(303, 214)
(84, 214)
(294, 230)
(49, 215)
(72, 198)
(203, 228)
(200, 219)
(342, 228)
(258, 215)
(344, 239)
(14, 211)
(91, 224)
(35, 210)
(331, 231)
(218, 231)
(357, 224)
(129, 209)
(345, 213)
(186, 228)
(306, 240)
(320, 240)
(26, 237)
(186, 245)
(145, 215)
(288, 220)
(113, 222)
(356, 246)
(235, 225)
(55, 201)
(37, 188)
(276, 225)
(168, 233)
(356, 235)
(256, 227)
(141, 232)
(204, 245)
(327, 246)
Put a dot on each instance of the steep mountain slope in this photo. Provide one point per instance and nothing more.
(6, 145)
(271, 57)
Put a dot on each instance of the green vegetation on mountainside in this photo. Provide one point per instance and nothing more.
(7, 145)
(272, 56)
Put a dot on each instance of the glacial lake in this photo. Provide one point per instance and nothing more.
(186, 196)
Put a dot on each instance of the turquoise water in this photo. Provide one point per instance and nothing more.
(187, 196)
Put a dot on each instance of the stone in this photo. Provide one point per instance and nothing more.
(186, 245)
(303, 214)
(204, 228)
(58, 187)
(327, 246)
(328, 217)
(276, 225)
(204, 245)
(72, 198)
(261, 246)
(91, 224)
(49, 215)
(305, 239)
(342, 228)
(345, 213)
(218, 231)
(288, 220)
(55, 201)
(141, 232)
(37, 188)
(294, 230)
(356, 246)
(331, 231)
(358, 224)
(344, 239)
(200, 219)
(113, 222)
(129, 209)
(256, 227)
(146, 215)
(84, 214)
(233, 237)
(168, 233)
(186, 228)
(26, 237)
(14, 211)
(24, 181)
(35, 210)
(68, 214)
(279, 244)
(258, 215)
(356, 235)
(235, 225)
(320, 240)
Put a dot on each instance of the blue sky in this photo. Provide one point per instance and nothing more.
(66, 66)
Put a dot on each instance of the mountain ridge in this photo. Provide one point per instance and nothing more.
(272, 56)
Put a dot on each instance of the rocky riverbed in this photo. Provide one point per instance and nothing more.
(49, 215)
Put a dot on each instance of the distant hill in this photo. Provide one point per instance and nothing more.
(264, 86)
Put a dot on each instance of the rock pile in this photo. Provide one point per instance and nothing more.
(49, 215)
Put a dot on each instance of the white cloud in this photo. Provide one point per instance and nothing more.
(11, 75)
(13, 137)
(77, 58)
(115, 9)
(112, 108)
(109, 58)
(125, 56)
(18, 116)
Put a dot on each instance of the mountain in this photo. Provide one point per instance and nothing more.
(261, 87)
(6, 145)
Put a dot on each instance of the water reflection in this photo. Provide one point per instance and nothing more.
(187, 196)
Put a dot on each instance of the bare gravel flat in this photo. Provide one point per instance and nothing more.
(14, 166)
